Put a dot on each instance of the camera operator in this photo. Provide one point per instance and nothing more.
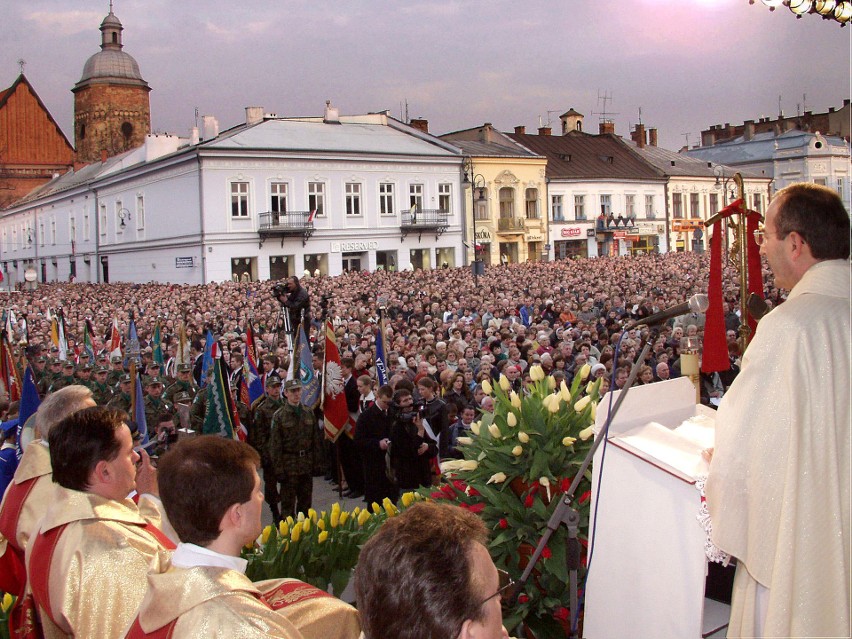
(295, 299)
(412, 447)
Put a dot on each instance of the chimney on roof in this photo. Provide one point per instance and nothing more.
(544, 130)
(748, 129)
(486, 133)
(194, 136)
(420, 124)
(209, 127)
(652, 137)
(606, 126)
(332, 114)
(708, 138)
(520, 130)
(254, 115)
(638, 136)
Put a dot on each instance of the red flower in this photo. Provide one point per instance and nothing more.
(472, 491)
(546, 554)
(437, 495)
(464, 506)
(503, 523)
(565, 484)
(448, 490)
(460, 485)
(561, 613)
(477, 508)
(585, 497)
(528, 502)
(522, 598)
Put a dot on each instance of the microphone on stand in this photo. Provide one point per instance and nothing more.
(698, 303)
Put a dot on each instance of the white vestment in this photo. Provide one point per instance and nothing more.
(778, 490)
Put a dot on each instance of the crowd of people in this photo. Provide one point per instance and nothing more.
(168, 561)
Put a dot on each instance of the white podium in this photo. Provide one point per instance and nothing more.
(648, 568)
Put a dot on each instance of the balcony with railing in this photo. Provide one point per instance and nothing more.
(420, 220)
(511, 225)
(286, 224)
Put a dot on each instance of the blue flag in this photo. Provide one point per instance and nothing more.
(207, 360)
(253, 382)
(307, 375)
(381, 361)
(131, 349)
(139, 413)
(29, 405)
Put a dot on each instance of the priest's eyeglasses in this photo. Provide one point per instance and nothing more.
(760, 235)
(506, 587)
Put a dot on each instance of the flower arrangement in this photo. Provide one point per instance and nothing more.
(517, 461)
(7, 601)
(319, 548)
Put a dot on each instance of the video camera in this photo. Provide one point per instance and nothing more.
(408, 413)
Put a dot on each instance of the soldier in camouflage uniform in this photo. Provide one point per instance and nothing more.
(263, 409)
(84, 375)
(66, 379)
(101, 392)
(291, 446)
(199, 406)
(184, 383)
(50, 376)
(121, 400)
(116, 372)
(159, 416)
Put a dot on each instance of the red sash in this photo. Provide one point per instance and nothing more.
(136, 631)
(42, 555)
(13, 572)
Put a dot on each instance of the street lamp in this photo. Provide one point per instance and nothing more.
(476, 182)
(721, 184)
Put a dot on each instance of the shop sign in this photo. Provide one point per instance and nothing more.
(590, 233)
(619, 235)
(184, 262)
(534, 237)
(483, 234)
(571, 231)
(353, 247)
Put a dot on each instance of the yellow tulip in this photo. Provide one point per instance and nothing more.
(356, 511)
(553, 407)
(568, 441)
(590, 387)
(295, 533)
(376, 508)
(523, 437)
(284, 529)
(344, 516)
(451, 465)
(517, 451)
(407, 499)
(300, 517)
(514, 399)
(584, 371)
(321, 524)
(494, 430)
(536, 373)
(334, 518)
(486, 387)
(474, 428)
(511, 419)
(306, 525)
(312, 515)
(544, 481)
(264, 536)
(551, 382)
(564, 393)
(335, 508)
(587, 432)
(594, 412)
(363, 516)
(290, 521)
(497, 478)
(8, 600)
(390, 509)
(582, 403)
(322, 537)
(464, 441)
(505, 384)
(469, 464)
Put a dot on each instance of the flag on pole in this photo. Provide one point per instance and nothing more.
(88, 346)
(131, 350)
(381, 361)
(251, 377)
(114, 340)
(207, 360)
(182, 356)
(307, 374)
(157, 347)
(219, 418)
(9, 372)
(137, 405)
(335, 412)
(61, 341)
(29, 405)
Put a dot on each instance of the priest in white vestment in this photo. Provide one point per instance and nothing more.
(779, 484)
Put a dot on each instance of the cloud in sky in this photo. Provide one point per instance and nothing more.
(687, 63)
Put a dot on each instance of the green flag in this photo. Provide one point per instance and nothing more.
(219, 418)
(158, 347)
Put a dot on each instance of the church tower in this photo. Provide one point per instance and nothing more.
(112, 111)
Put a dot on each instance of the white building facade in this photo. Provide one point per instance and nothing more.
(268, 199)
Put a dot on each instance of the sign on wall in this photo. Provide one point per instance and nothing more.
(184, 262)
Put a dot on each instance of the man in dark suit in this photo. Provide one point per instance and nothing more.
(372, 437)
(349, 454)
